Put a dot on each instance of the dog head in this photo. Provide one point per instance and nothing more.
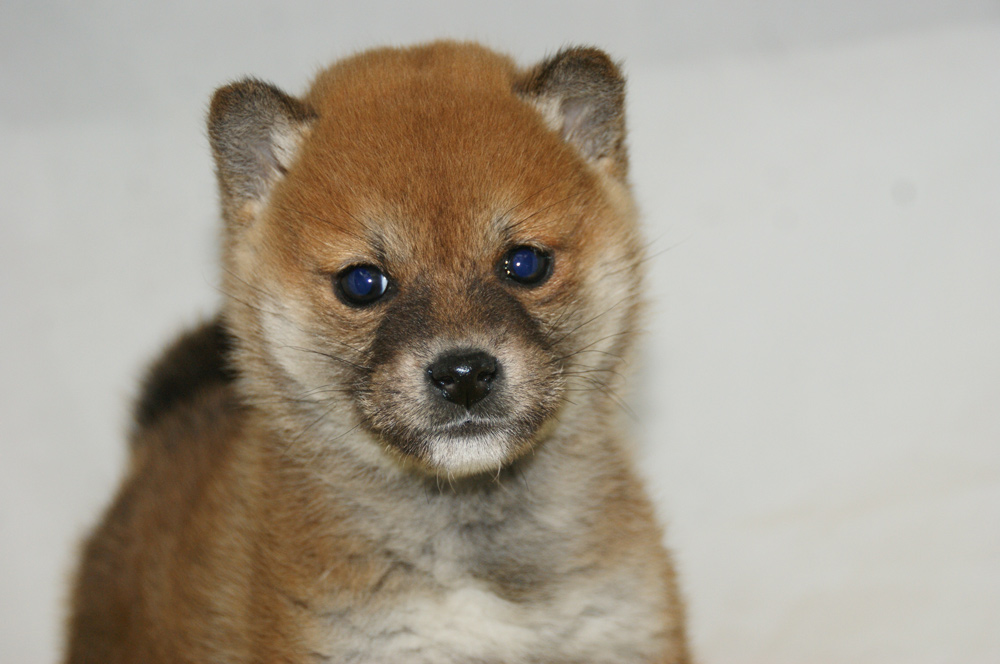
(433, 248)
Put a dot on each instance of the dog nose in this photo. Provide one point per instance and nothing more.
(463, 377)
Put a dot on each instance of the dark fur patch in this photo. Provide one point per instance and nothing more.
(416, 315)
(198, 359)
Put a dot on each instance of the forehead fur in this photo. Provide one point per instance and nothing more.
(432, 142)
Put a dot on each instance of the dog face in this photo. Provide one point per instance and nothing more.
(432, 248)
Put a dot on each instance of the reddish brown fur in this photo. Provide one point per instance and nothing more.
(250, 530)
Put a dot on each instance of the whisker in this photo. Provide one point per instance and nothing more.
(536, 193)
(302, 432)
(330, 356)
(589, 370)
(646, 257)
(588, 321)
(587, 348)
(518, 223)
(321, 448)
(251, 305)
(565, 313)
(330, 222)
(596, 385)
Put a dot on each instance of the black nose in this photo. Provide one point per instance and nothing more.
(463, 377)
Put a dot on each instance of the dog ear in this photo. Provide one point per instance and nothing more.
(255, 130)
(581, 94)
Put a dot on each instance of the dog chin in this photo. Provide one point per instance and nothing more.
(463, 453)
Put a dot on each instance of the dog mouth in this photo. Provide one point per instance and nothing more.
(468, 444)
(470, 426)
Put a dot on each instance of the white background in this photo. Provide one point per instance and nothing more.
(819, 405)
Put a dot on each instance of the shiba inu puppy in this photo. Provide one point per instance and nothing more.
(400, 441)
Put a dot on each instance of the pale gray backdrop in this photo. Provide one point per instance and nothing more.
(818, 409)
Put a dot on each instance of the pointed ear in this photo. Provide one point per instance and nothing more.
(581, 94)
(255, 130)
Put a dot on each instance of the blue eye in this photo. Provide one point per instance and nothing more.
(527, 265)
(361, 285)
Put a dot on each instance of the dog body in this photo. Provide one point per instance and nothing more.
(400, 441)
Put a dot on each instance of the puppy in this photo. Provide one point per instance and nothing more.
(400, 440)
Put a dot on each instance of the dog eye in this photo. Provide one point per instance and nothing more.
(360, 285)
(527, 265)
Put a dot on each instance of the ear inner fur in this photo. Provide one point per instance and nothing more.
(255, 130)
(581, 94)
